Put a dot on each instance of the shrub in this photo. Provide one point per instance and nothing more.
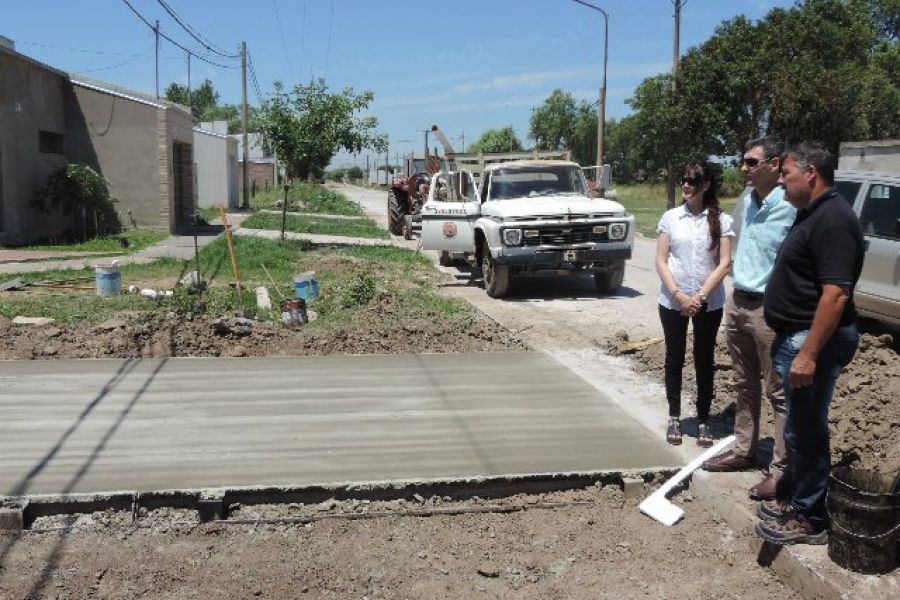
(80, 192)
(732, 183)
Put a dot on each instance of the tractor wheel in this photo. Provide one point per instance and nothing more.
(496, 277)
(610, 281)
(395, 213)
(445, 260)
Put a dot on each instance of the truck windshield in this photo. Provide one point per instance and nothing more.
(535, 181)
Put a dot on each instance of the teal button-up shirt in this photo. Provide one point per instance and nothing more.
(764, 228)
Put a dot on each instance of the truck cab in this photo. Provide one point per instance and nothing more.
(528, 216)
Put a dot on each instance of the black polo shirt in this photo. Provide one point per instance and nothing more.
(824, 245)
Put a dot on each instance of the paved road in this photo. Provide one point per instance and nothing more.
(107, 425)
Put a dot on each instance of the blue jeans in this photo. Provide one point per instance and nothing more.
(806, 431)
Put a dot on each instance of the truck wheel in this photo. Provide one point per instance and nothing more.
(395, 213)
(496, 277)
(445, 260)
(610, 281)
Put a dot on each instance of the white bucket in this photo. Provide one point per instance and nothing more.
(108, 279)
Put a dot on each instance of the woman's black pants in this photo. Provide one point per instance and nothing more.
(706, 325)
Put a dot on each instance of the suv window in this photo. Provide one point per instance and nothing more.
(881, 211)
(848, 189)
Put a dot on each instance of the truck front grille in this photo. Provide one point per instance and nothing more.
(565, 235)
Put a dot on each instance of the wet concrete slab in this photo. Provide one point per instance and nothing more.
(156, 424)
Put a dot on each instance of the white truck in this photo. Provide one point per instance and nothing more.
(526, 216)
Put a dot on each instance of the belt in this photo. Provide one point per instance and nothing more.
(752, 296)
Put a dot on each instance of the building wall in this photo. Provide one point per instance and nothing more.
(122, 134)
(32, 99)
(176, 128)
(881, 155)
(215, 157)
(262, 173)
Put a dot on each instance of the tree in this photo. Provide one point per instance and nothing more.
(307, 126)
(552, 125)
(203, 100)
(497, 140)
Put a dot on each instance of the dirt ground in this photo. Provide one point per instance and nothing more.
(584, 544)
(865, 411)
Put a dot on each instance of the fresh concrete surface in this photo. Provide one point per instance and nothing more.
(91, 426)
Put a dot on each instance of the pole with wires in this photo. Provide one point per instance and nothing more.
(156, 35)
(189, 82)
(246, 204)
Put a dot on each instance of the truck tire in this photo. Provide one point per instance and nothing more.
(496, 277)
(445, 260)
(610, 281)
(395, 213)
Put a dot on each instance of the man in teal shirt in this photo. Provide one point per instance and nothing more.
(766, 218)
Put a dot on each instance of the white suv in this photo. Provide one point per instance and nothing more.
(876, 201)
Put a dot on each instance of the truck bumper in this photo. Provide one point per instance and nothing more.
(575, 259)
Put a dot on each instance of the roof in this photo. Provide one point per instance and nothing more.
(28, 59)
(126, 93)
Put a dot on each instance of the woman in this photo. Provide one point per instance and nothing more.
(693, 255)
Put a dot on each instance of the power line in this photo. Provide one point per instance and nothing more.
(194, 33)
(164, 36)
(100, 52)
(283, 42)
(328, 47)
(116, 66)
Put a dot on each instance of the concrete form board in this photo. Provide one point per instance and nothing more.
(207, 423)
(215, 158)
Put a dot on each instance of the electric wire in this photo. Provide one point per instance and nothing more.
(118, 65)
(284, 47)
(85, 51)
(194, 33)
(164, 36)
(328, 46)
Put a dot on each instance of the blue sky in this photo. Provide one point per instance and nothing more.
(465, 65)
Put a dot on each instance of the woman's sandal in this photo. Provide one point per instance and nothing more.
(673, 433)
(704, 436)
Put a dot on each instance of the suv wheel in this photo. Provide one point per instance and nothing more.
(496, 277)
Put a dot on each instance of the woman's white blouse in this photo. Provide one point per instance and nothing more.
(690, 259)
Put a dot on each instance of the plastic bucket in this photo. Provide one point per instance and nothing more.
(865, 521)
(108, 280)
(293, 313)
(306, 287)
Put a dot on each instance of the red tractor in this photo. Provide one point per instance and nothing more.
(405, 200)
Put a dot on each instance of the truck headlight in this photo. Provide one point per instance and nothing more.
(600, 229)
(617, 231)
(512, 237)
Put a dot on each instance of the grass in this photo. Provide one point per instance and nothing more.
(307, 197)
(365, 228)
(648, 203)
(350, 279)
(137, 238)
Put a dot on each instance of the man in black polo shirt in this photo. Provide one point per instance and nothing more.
(809, 305)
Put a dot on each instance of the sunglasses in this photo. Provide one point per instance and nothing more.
(750, 162)
(692, 181)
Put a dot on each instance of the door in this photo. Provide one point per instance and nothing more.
(878, 289)
(450, 212)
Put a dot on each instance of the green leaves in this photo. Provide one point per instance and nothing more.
(307, 126)
(497, 140)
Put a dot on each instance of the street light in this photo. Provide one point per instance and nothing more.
(601, 124)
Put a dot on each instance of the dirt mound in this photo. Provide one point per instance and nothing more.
(383, 330)
(865, 411)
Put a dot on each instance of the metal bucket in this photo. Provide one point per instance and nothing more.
(865, 521)
(108, 280)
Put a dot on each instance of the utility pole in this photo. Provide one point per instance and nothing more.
(156, 34)
(676, 55)
(246, 204)
(189, 82)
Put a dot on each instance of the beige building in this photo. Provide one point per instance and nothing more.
(142, 146)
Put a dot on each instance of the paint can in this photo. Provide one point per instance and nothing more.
(306, 287)
(108, 279)
(293, 313)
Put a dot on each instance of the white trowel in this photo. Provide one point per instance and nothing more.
(657, 506)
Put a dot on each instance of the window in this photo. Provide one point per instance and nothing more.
(881, 211)
(50, 143)
(848, 190)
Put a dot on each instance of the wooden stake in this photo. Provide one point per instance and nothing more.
(234, 268)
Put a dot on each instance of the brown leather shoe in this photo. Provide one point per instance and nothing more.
(729, 461)
(765, 489)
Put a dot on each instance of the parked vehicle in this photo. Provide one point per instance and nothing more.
(523, 217)
(876, 200)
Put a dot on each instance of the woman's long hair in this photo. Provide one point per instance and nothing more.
(709, 172)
